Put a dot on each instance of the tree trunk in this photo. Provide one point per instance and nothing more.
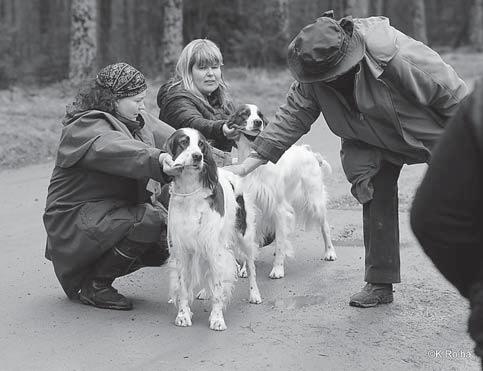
(376, 7)
(83, 40)
(172, 43)
(357, 8)
(419, 21)
(476, 25)
(284, 19)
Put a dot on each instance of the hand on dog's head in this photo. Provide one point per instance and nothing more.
(237, 119)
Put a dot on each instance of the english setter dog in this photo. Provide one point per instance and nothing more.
(210, 225)
(286, 193)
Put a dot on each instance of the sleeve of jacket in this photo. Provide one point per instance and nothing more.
(115, 153)
(423, 76)
(292, 120)
(181, 112)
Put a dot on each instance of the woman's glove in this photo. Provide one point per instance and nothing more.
(168, 166)
(247, 166)
(231, 134)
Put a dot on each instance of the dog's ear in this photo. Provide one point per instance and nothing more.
(237, 118)
(170, 144)
(209, 173)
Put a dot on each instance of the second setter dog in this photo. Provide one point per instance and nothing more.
(287, 193)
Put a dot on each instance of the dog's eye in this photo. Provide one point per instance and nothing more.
(184, 141)
(201, 144)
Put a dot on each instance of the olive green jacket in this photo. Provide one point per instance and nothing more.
(404, 94)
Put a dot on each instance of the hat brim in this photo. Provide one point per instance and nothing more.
(355, 53)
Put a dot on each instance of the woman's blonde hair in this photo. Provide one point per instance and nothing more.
(202, 52)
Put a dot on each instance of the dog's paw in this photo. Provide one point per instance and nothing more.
(255, 297)
(202, 295)
(330, 255)
(242, 272)
(217, 324)
(277, 272)
(183, 319)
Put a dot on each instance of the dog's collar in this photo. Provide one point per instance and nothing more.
(172, 192)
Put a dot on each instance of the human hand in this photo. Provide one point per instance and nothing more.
(246, 167)
(231, 133)
(168, 165)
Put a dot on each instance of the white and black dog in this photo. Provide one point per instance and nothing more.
(286, 193)
(210, 225)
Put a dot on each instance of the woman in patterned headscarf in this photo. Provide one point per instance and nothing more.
(102, 222)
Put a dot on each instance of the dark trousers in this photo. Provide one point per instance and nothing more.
(381, 227)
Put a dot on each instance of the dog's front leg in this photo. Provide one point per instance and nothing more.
(242, 269)
(217, 322)
(183, 318)
(278, 270)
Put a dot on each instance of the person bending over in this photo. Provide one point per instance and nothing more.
(388, 97)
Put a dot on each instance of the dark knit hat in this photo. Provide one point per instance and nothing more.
(122, 79)
(325, 49)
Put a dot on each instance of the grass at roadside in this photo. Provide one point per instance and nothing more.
(30, 118)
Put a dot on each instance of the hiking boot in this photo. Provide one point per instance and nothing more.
(372, 294)
(101, 294)
(97, 290)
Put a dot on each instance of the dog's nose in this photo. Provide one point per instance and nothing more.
(257, 123)
(197, 157)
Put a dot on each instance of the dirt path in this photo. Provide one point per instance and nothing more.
(304, 322)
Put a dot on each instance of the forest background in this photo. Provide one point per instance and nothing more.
(50, 40)
(48, 46)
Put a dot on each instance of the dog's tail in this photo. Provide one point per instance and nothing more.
(323, 163)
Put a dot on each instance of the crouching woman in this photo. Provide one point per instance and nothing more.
(102, 222)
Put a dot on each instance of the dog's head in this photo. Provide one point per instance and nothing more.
(190, 149)
(249, 120)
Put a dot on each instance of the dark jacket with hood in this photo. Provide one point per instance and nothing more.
(180, 108)
(101, 171)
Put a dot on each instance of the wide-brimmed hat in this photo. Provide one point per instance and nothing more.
(325, 49)
(122, 79)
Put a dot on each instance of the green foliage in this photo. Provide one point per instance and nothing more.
(248, 32)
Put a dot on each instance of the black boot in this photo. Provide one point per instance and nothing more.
(97, 290)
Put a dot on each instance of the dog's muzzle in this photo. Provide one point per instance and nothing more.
(251, 135)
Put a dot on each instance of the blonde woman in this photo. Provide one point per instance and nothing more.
(197, 96)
